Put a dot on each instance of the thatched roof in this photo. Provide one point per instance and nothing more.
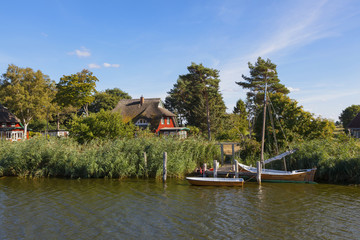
(152, 108)
(6, 116)
(355, 123)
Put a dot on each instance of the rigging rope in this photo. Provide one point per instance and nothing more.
(282, 130)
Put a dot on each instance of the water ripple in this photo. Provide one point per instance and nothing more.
(132, 209)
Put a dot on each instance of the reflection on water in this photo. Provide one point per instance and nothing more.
(114, 209)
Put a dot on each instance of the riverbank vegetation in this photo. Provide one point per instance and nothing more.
(106, 144)
(40, 157)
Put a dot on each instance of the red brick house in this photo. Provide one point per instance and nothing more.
(10, 126)
(354, 126)
(150, 112)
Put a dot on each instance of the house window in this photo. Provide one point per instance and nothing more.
(8, 135)
(168, 121)
(141, 122)
(12, 124)
(162, 120)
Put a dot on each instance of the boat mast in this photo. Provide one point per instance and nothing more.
(264, 119)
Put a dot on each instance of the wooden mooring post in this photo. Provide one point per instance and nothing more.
(215, 168)
(236, 169)
(258, 174)
(222, 154)
(233, 152)
(164, 166)
(204, 170)
(145, 164)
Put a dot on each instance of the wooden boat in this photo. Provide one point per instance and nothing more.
(208, 181)
(270, 175)
(302, 175)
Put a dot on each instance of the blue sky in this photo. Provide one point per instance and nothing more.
(142, 47)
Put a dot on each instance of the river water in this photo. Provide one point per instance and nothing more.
(149, 209)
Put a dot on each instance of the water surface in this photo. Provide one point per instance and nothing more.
(135, 208)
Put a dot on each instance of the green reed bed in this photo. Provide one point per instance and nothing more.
(120, 158)
(337, 160)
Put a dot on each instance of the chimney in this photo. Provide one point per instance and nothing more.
(141, 100)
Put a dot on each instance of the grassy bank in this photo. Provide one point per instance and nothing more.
(39, 157)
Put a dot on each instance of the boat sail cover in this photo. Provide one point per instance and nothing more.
(278, 157)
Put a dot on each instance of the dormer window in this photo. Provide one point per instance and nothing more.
(168, 121)
(162, 120)
(141, 122)
(3, 125)
(12, 124)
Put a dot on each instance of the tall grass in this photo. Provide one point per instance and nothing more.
(337, 160)
(39, 157)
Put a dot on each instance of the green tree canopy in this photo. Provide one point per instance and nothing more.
(196, 98)
(28, 94)
(76, 90)
(101, 125)
(290, 123)
(263, 71)
(107, 99)
(348, 114)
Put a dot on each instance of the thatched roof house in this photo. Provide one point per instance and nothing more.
(354, 126)
(146, 112)
(10, 126)
(6, 116)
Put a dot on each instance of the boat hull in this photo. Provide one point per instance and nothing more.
(305, 175)
(204, 181)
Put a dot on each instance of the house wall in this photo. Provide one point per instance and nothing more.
(12, 134)
(166, 123)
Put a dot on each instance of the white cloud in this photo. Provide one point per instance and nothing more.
(293, 89)
(94, 65)
(300, 27)
(114, 65)
(82, 53)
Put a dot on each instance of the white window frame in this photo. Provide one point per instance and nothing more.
(162, 120)
(168, 121)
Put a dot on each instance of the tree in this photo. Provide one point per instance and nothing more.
(26, 93)
(348, 114)
(196, 98)
(262, 73)
(101, 125)
(107, 99)
(76, 90)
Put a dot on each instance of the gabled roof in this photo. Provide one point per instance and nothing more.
(151, 108)
(355, 123)
(6, 116)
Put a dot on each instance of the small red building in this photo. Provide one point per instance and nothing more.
(150, 112)
(10, 126)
